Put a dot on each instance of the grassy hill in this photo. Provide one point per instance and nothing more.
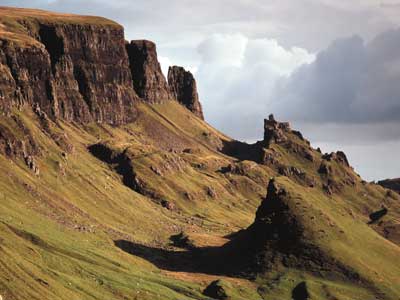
(60, 229)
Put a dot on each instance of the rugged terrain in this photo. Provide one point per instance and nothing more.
(393, 184)
(113, 186)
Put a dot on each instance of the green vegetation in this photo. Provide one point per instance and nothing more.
(58, 229)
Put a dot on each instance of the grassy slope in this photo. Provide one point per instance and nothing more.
(57, 229)
(347, 239)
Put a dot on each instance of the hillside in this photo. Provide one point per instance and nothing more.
(114, 187)
(393, 184)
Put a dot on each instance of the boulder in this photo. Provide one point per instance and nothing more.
(300, 292)
(377, 215)
(217, 290)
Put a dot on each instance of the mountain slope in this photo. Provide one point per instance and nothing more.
(148, 201)
(393, 184)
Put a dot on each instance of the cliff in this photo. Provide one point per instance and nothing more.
(184, 89)
(74, 69)
(148, 79)
(80, 68)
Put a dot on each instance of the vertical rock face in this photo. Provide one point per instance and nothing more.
(148, 79)
(92, 80)
(77, 72)
(25, 75)
(81, 69)
(274, 131)
(184, 89)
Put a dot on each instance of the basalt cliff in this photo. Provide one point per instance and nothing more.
(112, 185)
(83, 70)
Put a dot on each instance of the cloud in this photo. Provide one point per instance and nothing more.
(349, 82)
(235, 77)
(312, 24)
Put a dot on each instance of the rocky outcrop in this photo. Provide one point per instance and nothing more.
(123, 165)
(340, 157)
(184, 89)
(377, 215)
(274, 131)
(297, 174)
(281, 236)
(300, 292)
(148, 79)
(274, 217)
(74, 71)
(392, 184)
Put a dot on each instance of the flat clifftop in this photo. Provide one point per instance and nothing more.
(53, 17)
(15, 23)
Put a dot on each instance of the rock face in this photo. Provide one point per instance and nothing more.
(340, 157)
(81, 69)
(184, 89)
(148, 79)
(274, 131)
(74, 71)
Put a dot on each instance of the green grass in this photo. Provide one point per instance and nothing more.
(57, 229)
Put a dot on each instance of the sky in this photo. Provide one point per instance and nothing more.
(329, 67)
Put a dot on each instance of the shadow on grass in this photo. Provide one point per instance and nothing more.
(199, 260)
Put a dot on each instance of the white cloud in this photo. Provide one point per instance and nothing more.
(223, 50)
(165, 62)
(235, 77)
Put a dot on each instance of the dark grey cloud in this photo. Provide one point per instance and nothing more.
(349, 82)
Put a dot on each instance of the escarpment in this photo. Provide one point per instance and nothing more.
(74, 71)
(148, 79)
(184, 89)
(81, 69)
